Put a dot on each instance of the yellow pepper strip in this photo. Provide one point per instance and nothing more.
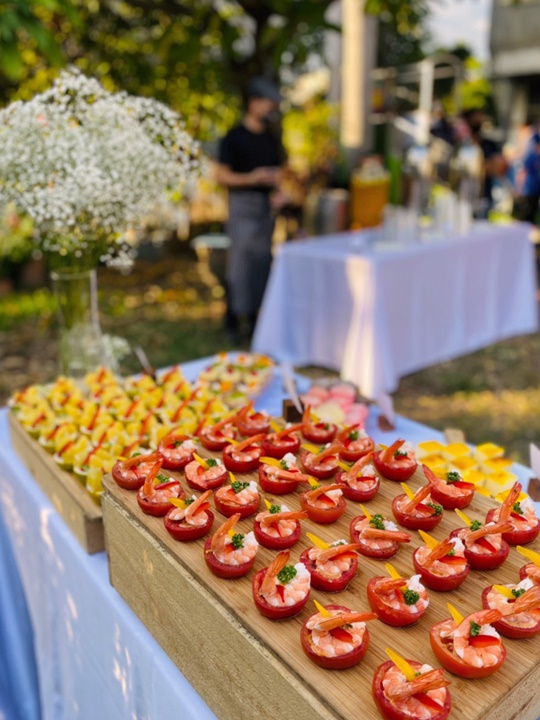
(202, 462)
(311, 448)
(407, 490)
(366, 512)
(267, 503)
(275, 426)
(402, 664)
(456, 615)
(534, 557)
(231, 533)
(428, 539)
(314, 484)
(177, 502)
(462, 516)
(321, 544)
(503, 590)
(344, 466)
(270, 461)
(391, 570)
(324, 612)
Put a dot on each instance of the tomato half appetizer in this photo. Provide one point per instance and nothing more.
(418, 512)
(283, 442)
(238, 497)
(397, 462)
(177, 450)
(470, 649)
(280, 477)
(336, 638)
(331, 568)
(356, 444)
(360, 482)
(377, 537)
(442, 567)
(229, 554)
(252, 423)
(452, 492)
(522, 516)
(323, 463)
(316, 431)
(397, 601)
(323, 504)
(216, 437)
(532, 569)
(281, 591)
(278, 527)
(244, 456)
(423, 695)
(189, 519)
(520, 608)
(485, 547)
(130, 474)
(207, 474)
(153, 497)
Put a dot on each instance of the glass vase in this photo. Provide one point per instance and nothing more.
(82, 347)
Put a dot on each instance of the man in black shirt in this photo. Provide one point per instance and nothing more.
(250, 157)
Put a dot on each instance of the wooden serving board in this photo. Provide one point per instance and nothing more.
(83, 517)
(247, 666)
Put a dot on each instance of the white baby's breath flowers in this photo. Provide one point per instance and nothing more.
(87, 165)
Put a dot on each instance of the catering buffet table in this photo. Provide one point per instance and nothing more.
(376, 310)
(94, 658)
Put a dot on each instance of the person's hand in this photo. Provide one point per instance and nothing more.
(267, 176)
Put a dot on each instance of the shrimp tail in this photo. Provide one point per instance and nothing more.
(221, 532)
(272, 571)
(496, 529)
(392, 535)
(270, 519)
(344, 619)
(388, 454)
(530, 600)
(438, 552)
(510, 500)
(335, 551)
(432, 680)
(417, 499)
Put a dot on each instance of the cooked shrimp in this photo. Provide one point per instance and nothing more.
(491, 532)
(281, 524)
(402, 692)
(520, 513)
(245, 496)
(431, 559)
(335, 560)
(392, 593)
(247, 449)
(222, 546)
(533, 572)
(176, 446)
(478, 656)
(324, 497)
(323, 460)
(418, 504)
(362, 474)
(447, 488)
(195, 472)
(195, 513)
(277, 473)
(285, 594)
(326, 638)
(380, 539)
(155, 493)
(523, 612)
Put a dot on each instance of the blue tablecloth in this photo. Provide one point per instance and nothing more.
(61, 621)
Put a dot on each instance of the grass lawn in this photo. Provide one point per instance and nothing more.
(174, 311)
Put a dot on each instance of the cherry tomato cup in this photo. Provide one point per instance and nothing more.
(422, 516)
(513, 626)
(279, 444)
(394, 463)
(279, 528)
(317, 431)
(233, 548)
(244, 456)
(238, 497)
(341, 637)
(281, 591)
(217, 437)
(482, 554)
(255, 424)
(356, 444)
(451, 492)
(517, 536)
(130, 474)
(280, 481)
(321, 566)
(209, 478)
(156, 501)
(394, 603)
(176, 450)
(322, 465)
(443, 647)
(191, 522)
(323, 505)
(393, 709)
(448, 575)
(376, 542)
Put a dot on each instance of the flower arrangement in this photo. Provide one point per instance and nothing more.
(87, 165)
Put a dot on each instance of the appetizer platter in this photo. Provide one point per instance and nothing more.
(70, 433)
(278, 594)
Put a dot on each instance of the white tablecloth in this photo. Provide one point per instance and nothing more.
(378, 311)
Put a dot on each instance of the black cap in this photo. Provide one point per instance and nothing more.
(262, 87)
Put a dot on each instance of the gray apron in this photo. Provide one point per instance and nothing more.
(250, 228)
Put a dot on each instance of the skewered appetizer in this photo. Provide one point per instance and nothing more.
(280, 590)
(398, 601)
(335, 637)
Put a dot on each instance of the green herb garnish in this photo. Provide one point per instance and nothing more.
(284, 464)
(353, 435)
(411, 597)
(437, 509)
(287, 574)
(188, 501)
(273, 509)
(326, 426)
(237, 541)
(453, 477)
(238, 486)
(451, 553)
(517, 508)
(211, 462)
(517, 592)
(136, 455)
(475, 628)
(400, 453)
(377, 521)
(162, 478)
(85, 467)
(475, 525)
(177, 443)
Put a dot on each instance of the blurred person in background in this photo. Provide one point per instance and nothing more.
(526, 204)
(251, 156)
